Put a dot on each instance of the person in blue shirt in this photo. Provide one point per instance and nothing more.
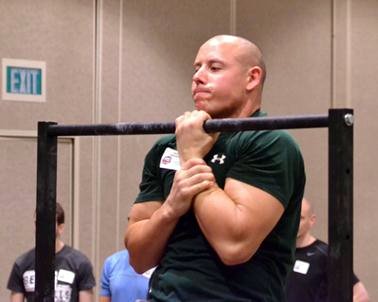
(119, 282)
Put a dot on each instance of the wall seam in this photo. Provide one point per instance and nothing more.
(348, 55)
(76, 191)
(332, 65)
(96, 164)
(119, 148)
(340, 54)
(233, 17)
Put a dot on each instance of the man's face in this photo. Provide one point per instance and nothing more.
(307, 219)
(59, 228)
(219, 82)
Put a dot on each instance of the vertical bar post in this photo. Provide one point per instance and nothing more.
(340, 205)
(45, 214)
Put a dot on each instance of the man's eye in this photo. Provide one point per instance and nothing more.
(214, 68)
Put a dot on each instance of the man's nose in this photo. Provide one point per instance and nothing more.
(199, 76)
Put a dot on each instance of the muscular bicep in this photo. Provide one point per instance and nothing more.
(237, 219)
(258, 210)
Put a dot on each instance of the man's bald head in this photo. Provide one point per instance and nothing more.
(307, 207)
(228, 78)
(307, 220)
(247, 53)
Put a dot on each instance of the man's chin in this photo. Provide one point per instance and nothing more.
(200, 105)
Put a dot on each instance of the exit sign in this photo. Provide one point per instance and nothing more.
(24, 80)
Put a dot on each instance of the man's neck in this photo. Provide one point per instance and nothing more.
(249, 110)
(59, 244)
(305, 240)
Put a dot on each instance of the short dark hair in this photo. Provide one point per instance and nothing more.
(59, 213)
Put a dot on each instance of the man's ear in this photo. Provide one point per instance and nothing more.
(313, 219)
(60, 229)
(254, 77)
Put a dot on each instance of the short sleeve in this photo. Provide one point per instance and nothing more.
(15, 281)
(86, 280)
(271, 162)
(105, 281)
(150, 187)
(355, 279)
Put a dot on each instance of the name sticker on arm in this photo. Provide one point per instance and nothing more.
(170, 160)
(301, 267)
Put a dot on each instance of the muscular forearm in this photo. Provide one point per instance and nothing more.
(152, 223)
(146, 239)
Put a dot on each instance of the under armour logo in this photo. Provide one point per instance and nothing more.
(217, 158)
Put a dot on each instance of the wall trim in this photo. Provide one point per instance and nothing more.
(75, 151)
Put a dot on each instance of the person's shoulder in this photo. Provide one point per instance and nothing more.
(165, 140)
(118, 263)
(72, 253)
(321, 246)
(161, 144)
(122, 255)
(25, 261)
(264, 140)
(282, 135)
(28, 256)
(321, 243)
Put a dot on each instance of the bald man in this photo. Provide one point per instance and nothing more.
(308, 280)
(218, 213)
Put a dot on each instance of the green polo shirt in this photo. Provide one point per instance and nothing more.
(190, 269)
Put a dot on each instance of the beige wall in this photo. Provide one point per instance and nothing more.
(362, 93)
(18, 150)
(130, 60)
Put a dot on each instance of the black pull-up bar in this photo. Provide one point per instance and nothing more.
(340, 190)
(224, 125)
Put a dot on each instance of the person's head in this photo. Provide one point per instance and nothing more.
(59, 220)
(308, 219)
(229, 77)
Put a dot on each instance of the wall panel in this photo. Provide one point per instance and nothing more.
(295, 37)
(131, 60)
(363, 95)
(18, 159)
(160, 41)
